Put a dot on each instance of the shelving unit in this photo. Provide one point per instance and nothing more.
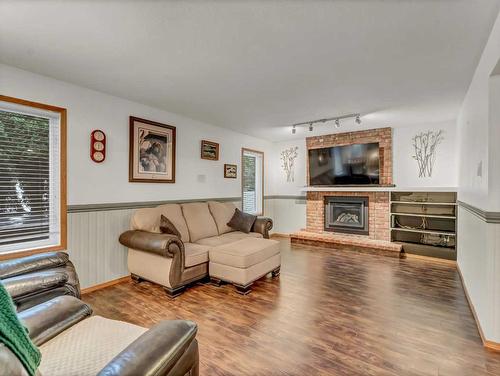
(425, 223)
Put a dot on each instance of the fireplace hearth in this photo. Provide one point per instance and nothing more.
(346, 214)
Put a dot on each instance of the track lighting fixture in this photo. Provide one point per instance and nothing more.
(336, 119)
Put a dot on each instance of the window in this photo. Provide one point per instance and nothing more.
(32, 177)
(252, 181)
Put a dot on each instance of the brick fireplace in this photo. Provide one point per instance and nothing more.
(377, 233)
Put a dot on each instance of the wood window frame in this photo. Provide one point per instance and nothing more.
(243, 150)
(63, 215)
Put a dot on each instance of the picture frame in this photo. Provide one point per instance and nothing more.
(230, 171)
(151, 151)
(209, 150)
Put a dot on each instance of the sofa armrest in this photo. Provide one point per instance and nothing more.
(263, 225)
(45, 321)
(23, 265)
(162, 244)
(156, 352)
(28, 284)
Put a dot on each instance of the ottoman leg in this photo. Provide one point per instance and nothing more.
(244, 289)
(174, 292)
(276, 272)
(215, 281)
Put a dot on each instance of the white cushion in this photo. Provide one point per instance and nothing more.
(222, 213)
(199, 221)
(174, 214)
(230, 237)
(244, 253)
(195, 254)
(86, 348)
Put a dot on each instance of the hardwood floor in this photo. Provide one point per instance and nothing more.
(331, 312)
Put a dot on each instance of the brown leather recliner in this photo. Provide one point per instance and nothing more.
(38, 278)
(73, 342)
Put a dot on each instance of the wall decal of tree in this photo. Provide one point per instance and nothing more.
(288, 157)
(425, 146)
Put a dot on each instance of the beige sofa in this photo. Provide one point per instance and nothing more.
(175, 262)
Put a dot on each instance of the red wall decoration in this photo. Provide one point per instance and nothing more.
(98, 146)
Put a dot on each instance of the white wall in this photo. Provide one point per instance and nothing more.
(478, 241)
(90, 183)
(445, 170)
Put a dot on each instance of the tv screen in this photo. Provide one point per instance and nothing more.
(344, 165)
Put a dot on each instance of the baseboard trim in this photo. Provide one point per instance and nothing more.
(279, 235)
(430, 259)
(100, 286)
(490, 345)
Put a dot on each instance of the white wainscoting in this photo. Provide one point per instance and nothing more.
(93, 244)
(478, 257)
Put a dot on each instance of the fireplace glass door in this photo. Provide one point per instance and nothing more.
(346, 215)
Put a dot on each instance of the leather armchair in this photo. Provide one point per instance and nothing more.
(34, 279)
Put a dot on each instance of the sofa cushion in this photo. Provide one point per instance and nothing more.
(85, 348)
(245, 252)
(241, 221)
(230, 237)
(167, 227)
(146, 219)
(222, 213)
(195, 254)
(199, 221)
(174, 214)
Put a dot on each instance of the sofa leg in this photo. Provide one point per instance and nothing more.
(276, 272)
(244, 290)
(174, 292)
(136, 278)
(215, 281)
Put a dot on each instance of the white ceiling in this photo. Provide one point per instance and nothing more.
(255, 66)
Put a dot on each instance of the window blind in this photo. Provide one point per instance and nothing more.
(25, 178)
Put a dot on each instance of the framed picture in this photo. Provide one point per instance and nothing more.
(230, 171)
(151, 152)
(209, 150)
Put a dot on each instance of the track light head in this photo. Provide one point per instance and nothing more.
(294, 130)
(337, 123)
(311, 127)
(358, 120)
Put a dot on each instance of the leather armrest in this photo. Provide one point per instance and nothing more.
(263, 225)
(162, 244)
(33, 283)
(23, 265)
(155, 352)
(45, 321)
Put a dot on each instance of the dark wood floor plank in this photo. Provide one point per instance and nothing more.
(331, 312)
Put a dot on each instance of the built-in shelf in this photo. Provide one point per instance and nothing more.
(421, 231)
(425, 215)
(424, 222)
(424, 203)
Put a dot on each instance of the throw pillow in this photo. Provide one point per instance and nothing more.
(168, 227)
(242, 221)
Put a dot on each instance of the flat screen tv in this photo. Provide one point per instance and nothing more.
(344, 165)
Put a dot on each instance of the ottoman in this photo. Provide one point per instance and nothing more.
(244, 261)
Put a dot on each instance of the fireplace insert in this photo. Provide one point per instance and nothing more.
(346, 214)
